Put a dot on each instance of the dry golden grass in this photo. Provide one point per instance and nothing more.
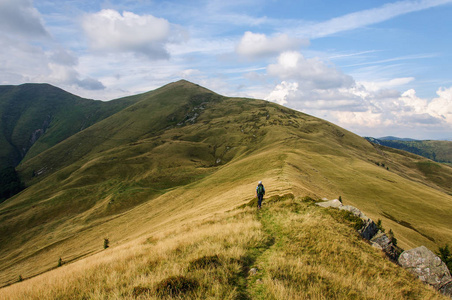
(300, 252)
(143, 176)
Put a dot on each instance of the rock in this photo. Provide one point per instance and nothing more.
(333, 203)
(427, 267)
(253, 271)
(355, 211)
(369, 229)
(383, 242)
(446, 289)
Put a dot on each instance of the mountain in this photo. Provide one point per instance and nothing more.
(439, 151)
(163, 181)
(35, 117)
(393, 138)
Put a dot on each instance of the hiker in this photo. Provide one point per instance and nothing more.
(260, 192)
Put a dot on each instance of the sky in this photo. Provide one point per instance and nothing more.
(374, 67)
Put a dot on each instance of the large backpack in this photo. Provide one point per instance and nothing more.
(260, 189)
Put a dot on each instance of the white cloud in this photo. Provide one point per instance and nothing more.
(375, 86)
(317, 88)
(189, 72)
(441, 107)
(19, 17)
(282, 91)
(257, 45)
(412, 103)
(21, 62)
(311, 73)
(367, 17)
(109, 31)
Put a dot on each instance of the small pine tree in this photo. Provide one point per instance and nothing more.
(379, 226)
(340, 199)
(446, 256)
(106, 243)
(20, 278)
(60, 262)
(391, 236)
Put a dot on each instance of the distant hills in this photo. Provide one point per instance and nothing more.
(147, 167)
(393, 138)
(439, 151)
(35, 117)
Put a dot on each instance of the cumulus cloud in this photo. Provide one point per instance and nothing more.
(24, 60)
(254, 45)
(282, 92)
(19, 17)
(320, 89)
(441, 107)
(21, 62)
(312, 73)
(110, 31)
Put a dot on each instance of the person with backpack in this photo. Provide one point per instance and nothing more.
(260, 192)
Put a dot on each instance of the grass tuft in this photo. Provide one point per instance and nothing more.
(175, 286)
(139, 290)
(346, 217)
(207, 261)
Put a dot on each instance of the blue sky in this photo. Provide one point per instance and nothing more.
(376, 68)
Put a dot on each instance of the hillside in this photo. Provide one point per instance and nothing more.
(439, 151)
(35, 117)
(177, 160)
(291, 249)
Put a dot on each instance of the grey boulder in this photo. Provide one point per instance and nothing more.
(427, 266)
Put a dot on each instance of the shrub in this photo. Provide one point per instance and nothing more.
(380, 226)
(391, 236)
(446, 256)
(60, 262)
(106, 243)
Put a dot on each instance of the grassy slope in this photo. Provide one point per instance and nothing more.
(300, 251)
(440, 151)
(47, 112)
(162, 178)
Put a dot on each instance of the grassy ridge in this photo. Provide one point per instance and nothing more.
(35, 117)
(288, 250)
(182, 153)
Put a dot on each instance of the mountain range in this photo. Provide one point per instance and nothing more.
(439, 151)
(175, 164)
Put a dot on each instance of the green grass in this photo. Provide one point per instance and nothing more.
(36, 117)
(138, 173)
(439, 151)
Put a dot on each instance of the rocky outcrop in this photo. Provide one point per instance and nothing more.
(420, 261)
(369, 228)
(383, 242)
(447, 289)
(332, 203)
(428, 267)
